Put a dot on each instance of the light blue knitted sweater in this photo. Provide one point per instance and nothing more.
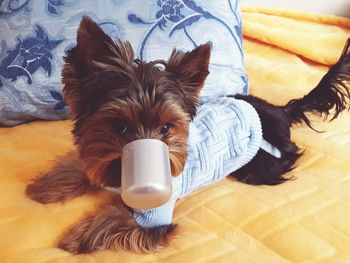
(225, 135)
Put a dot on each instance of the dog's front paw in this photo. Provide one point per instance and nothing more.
(74, 240)
(54, 187)
(115, 229)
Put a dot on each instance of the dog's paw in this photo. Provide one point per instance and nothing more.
(64, 181)
(42, 192)
(115, 229)
(53, 187)
(74, 240)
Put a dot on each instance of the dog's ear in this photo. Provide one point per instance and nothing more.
(94, 45)
(92, 42)
(95, 52)
(191, 68)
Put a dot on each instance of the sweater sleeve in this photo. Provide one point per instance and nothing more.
(158, 216)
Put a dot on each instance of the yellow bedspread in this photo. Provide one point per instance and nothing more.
(306, 220)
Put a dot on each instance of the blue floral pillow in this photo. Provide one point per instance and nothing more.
(36, 33)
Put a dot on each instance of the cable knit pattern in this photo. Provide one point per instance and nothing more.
(225, 135)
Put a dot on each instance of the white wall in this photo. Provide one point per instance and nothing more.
(333, 7)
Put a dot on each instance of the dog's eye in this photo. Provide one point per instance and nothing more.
(120, 127)
(166, 128)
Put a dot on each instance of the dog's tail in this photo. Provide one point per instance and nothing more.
(330, 97)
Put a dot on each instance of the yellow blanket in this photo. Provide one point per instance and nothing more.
(305, 220)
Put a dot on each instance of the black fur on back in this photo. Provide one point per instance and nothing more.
(329, 98)
(265, 168)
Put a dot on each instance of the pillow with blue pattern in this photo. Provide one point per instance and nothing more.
(35, 35)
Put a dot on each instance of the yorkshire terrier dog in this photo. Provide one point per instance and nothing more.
(115, 99)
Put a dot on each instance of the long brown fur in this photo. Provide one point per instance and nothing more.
(66, 180)
(114, 99)
(115, 228)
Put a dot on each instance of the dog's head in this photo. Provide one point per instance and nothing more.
(115, 99)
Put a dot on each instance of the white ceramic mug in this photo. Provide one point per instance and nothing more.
(146, 175)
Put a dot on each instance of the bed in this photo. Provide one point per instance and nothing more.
(302, 220)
